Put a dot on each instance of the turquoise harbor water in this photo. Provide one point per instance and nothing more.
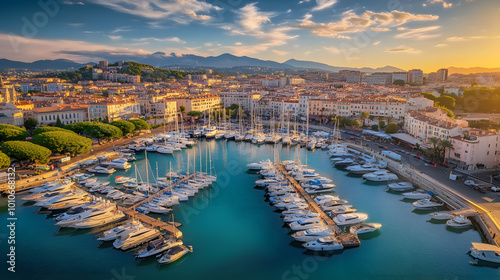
(237, 235)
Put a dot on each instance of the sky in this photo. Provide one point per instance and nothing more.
(408, 34)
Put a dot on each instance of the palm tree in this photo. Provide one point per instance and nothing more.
(435, 142)
(364, 115)
(446, 144)
(389, 119)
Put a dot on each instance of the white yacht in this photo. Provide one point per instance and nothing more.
(459, 222)
(485, 252)
(364, 228)
(174, 254)
(118, 231)
(350, 219)
(156, 247)
(401, 186)
(418, 194)
(329, 205)
(327, 243)
(441, 215)
(380, 176)
(362, 169)
(123, 180)
(343, 209)
(312, 234)
(426, 204)
(102, 170)
(119, 163)
(165, 150)
(300, 216)
(306, 224)
(69, 220)
(136, 237)
(323, 198)
(63, 198)
(110, 217)
(263, 164)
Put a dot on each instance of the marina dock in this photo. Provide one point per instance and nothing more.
(347, 240)
(161, 225)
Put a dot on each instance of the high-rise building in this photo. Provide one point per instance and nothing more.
(442, 74)
(416, 76)
(103, 65)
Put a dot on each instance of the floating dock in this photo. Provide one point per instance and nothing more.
(346, 239)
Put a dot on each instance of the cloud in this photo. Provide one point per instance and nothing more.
(379, 29)
(454, 39)
(445, 4)
(419, 33)
(351, 22)
(277, 52)
(181, 11)
(403, 49)
(323, 4)
(114, 37)
(26, 49)
(73, 3)
(252, 22)
(251, 19)
(93, 32)
(168, 39)
(121, 29)
(75, 24)
(440, 45)
(376, 43)
(333, 50)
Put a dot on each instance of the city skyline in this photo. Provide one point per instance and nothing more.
(426, 34)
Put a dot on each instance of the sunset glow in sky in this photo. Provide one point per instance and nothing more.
(426, 34)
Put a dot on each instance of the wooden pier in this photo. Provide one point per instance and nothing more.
(346, 239)
(170, 228)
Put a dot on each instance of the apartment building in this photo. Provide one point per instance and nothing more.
(201, 103)
(354, 107)
(432, 122)
(114, 111)
(475, 148)
(416, 76)
(159, 107)
(66, 113)
(247, 100)
(304, 102)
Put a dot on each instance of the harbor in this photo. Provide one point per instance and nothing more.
(231, 213)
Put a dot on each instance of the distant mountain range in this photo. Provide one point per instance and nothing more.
(160, 59)
(56, 64)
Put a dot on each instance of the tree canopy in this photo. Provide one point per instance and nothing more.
(24, 150)
(392, 128)
(63, 142)
(140, 124)
(446, 101)
(125, 126)
(102, 131)
(78, 127)
(30, 123)
(4, 160)
(194, 113)
(49, 128)
(10, 132)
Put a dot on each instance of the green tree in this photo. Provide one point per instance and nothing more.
(30, 123)
(364, 115)
(63, 142)
(399, 83)
(381, 124)
(78, 127)
(194, 114)
(10, 132)
(392, 128)
(375, 127)
(140, 124)
(429, 95)
(125, 126)
(103, 131)
(445, 145)
(49, 128)
(23, 150)
(446, 101)
(354, 123)
(59, 123)
(183, 109)
(4, 160)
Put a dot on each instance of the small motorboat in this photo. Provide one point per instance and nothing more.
(350, 219)
(327, 243)
(485, 252)
(441, 215)
(401, 186)
(364, 228)
(175, 253)
(459, 222)
(158, 246)
(426, 204)
(418, 194)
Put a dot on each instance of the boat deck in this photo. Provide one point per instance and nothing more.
(346, 239)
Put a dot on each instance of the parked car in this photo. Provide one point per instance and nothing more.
(495, 189)
(470, 183)
(431, 162)
(419, 157)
